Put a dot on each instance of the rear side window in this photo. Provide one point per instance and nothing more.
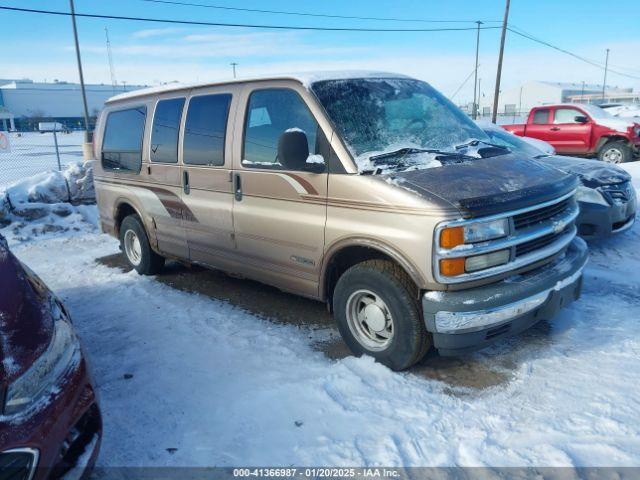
(205, 130)
(164, 134)
(122, 144)
(541, 117)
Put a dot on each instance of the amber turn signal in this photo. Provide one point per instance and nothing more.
(452, 237)
(452, 266)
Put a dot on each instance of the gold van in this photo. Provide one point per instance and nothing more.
(368, 191)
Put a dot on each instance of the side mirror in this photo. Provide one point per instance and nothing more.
(580, 119)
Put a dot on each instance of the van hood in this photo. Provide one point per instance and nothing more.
(490, 185)
(26, 323)
(592, 173)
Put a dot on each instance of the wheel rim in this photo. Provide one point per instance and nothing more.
(132, 247)
(613, 155)
(370, 320)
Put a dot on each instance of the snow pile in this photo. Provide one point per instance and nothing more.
(626, 111)
(49, 202)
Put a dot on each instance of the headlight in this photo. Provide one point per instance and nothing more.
(48, 368)
(459, 265)
(474, 232)
(590, 195)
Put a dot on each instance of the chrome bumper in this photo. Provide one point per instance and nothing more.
(469, 319)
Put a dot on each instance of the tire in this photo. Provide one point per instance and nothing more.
(135, 246)
(615, 152)
(371, 290)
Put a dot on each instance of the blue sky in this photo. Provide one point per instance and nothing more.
(41, 47)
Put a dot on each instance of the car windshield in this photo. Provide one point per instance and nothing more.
(514, 143)
(400, 116)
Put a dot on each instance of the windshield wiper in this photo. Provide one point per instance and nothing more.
(400, 151)
(475, 142)
(411, 151)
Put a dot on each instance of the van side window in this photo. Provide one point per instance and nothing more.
(270, 113)
(205, 130)
(164, 133)
(122, 144)
(541, 117)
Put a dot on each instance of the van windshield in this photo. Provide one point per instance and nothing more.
(404, 121)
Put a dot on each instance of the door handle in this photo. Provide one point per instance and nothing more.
(555, 129)
(237, 187)
(185, 182)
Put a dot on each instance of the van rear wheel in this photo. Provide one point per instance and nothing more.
(376, 308)
(134, 243)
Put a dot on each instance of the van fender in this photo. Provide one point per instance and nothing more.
(147, 221)
(380, 246)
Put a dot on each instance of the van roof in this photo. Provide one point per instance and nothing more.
(306, 78)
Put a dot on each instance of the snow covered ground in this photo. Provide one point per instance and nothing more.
(189, 380)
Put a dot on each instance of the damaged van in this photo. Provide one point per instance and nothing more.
(368, 191)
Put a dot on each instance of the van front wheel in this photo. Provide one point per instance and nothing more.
(376, 308)
(134, 243)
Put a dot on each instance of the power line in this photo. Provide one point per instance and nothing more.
(463, 83)
(521, 33)
(243, 25)
(309, 14)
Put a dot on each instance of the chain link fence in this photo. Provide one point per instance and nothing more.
(23, 154)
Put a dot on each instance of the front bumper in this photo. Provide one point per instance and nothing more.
(467, 320)
(598, 221)
(65, 433)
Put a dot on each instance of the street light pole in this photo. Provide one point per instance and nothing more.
(87, 150)
(604, 83)
(474, 111)
(233, 65)
(499, 73)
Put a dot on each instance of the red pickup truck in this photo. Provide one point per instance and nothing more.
(584, 130)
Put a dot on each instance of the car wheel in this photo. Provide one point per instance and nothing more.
(134, 243)
(615, 152)
(376, 307)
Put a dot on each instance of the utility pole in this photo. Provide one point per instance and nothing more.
(474, 111)
(233, 65)
(479, 96)
(88, 137)
(519, 106)
(499, 73)
(114, 83)
(604, 83)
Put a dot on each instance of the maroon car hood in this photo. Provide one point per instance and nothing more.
(25, 319)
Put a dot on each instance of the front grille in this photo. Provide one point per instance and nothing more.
(536, 244)
(17, 465)
(621, 192)
(535, 234)
(534, 217)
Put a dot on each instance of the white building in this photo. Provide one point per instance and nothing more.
(536, 93)
(23, 103)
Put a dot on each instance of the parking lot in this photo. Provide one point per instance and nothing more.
(195, 368)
